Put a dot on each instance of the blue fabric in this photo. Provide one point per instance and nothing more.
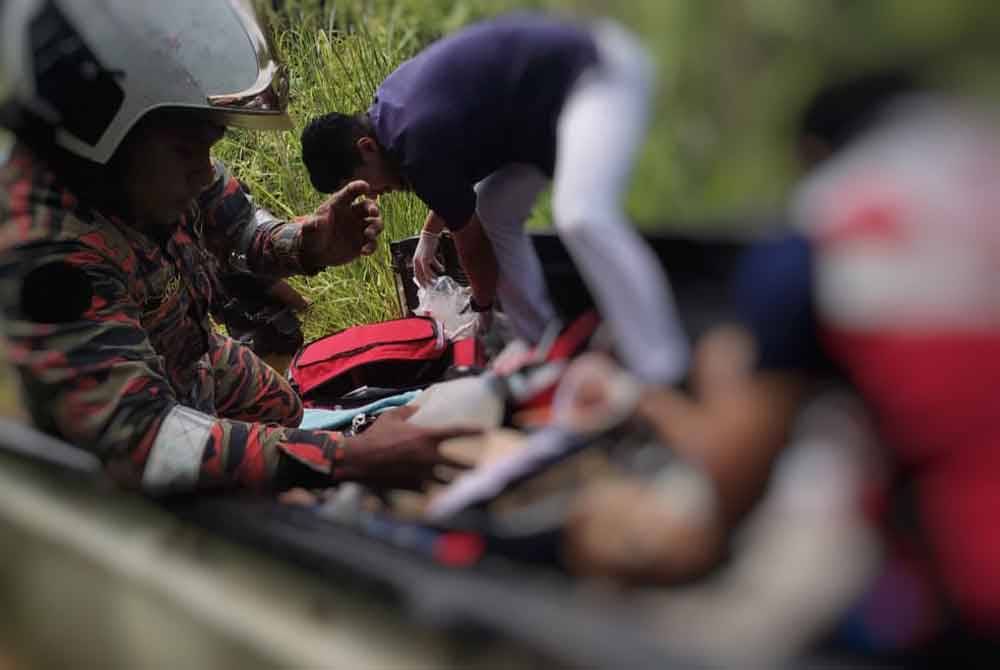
(470, 103)
(335, 419)
(773, 296)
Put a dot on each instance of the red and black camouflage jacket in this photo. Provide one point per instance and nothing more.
(127, 376)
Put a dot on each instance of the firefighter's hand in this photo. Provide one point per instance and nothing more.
(343, 228)
(397, 453)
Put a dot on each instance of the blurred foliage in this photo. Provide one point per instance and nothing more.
(733, 76)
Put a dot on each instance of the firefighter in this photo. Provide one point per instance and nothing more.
(115, 224)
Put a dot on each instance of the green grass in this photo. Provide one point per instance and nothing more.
(338, 56)
(732, 77)
(334, 67)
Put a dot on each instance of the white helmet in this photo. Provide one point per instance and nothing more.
(90, 69)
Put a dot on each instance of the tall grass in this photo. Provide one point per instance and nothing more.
(732, 77)
(338, 54)
(336, 63)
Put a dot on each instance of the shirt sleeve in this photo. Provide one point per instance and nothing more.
(247, 238)
(449, 195)
(91, 377)
(773, 295)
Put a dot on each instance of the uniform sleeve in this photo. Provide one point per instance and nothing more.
(247, 238)
(90, 376)
(773, 295)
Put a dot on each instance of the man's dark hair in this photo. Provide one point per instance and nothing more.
(329, 148)
(837, 113)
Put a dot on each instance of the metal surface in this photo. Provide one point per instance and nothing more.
(268, 96)
(500, 600)
(94, 577)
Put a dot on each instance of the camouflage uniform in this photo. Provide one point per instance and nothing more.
(135, 371)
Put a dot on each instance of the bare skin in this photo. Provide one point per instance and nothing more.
(394, 453)
(475, 250)
(281, 290)
(732, 427)
(343, 228)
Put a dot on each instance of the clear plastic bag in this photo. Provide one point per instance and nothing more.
(444, 300)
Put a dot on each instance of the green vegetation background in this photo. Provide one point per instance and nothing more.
(732, 76)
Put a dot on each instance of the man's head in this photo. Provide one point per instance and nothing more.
(163, 165)
(122, 98)
(339, 148)
(839, 112)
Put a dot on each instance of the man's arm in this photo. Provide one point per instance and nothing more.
(677, 525)
(92, 378)
(476, 253)
(748, 384)
(733, 435)
(750, 379)
(247, 238)
(433, 224)
(452, 201)
(288, 296)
